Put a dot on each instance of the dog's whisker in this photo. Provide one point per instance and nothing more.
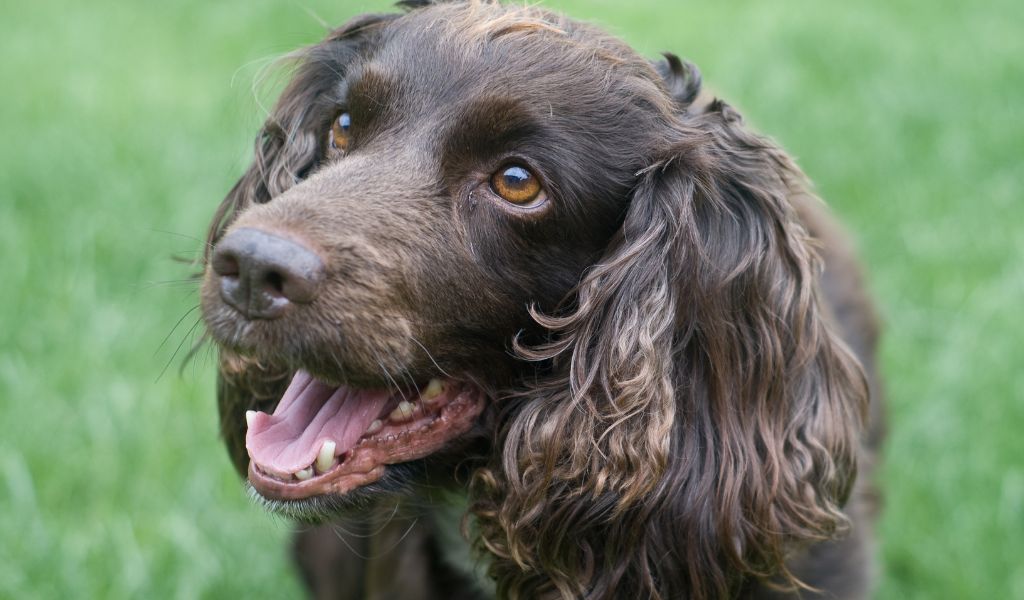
(192, 238)
(431, 357)
(335, 529)
(194, 350)
(391, 380)
(178, 348)
(175, 327)
(190, 283)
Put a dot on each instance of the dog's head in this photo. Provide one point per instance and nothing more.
(497, 231)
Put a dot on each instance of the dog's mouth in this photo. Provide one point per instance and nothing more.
(324, 439)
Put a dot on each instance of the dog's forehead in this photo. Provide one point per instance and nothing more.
(446, 52)
(451, 84)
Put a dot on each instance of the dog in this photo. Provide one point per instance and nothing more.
(504, 309)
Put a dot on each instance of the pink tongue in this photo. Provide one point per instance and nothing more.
(309, 413)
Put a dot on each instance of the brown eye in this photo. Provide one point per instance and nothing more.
(516, 184)
(340, 135)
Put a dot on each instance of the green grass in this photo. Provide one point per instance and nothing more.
(125, 123)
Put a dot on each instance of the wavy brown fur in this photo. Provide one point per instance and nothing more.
(703, 414)
(682, 418)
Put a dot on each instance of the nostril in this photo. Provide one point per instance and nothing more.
(225, 264)
(261, 274)
(275, 282)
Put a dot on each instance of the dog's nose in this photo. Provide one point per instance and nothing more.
(261, 274)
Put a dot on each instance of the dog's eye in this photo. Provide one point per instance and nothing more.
(517, 184)
(340, 132)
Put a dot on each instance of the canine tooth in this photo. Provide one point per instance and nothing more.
(304, 474)
(403, 412)
(325, 458)
(250, 416)
(434, 389)
(374, 427)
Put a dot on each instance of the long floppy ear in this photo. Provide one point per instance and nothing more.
(702, 418)
(288, 148)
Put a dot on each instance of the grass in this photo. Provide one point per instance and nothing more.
(124, 124)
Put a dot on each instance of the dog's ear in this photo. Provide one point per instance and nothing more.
(291, 139)
(682, 80)
(414, 4)
(703, 419)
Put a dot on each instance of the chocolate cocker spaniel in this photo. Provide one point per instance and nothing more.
(506, 310)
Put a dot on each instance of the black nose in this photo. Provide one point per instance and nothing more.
(262, 274)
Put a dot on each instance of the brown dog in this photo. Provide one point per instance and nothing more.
(489, 261)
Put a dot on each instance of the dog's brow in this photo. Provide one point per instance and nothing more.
(491, 125)
(372, 88)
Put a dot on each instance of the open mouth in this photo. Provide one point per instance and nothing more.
(325, 439)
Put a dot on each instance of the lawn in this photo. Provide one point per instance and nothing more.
(124, 123)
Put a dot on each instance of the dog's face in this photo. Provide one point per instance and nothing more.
(450, 169)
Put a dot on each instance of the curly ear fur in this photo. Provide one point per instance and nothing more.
(701, 420)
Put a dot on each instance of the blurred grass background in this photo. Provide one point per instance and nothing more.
(124, 123)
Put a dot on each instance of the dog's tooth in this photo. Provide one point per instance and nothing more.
(250, 416)
(374, 427)
(403, 412)
(304, 474)
(434, 389)
(325, 459)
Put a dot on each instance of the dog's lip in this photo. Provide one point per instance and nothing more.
(365, 462)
